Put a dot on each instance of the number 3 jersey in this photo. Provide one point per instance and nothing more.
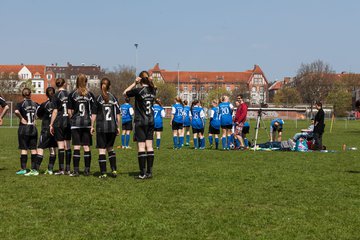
(144, 100)
(106, 113)
(59, 102)
(27, 109)
(81, 105)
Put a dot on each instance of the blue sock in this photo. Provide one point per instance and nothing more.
(181, 142)
(187, 139)
(196, 143)
(202, 142)
(231, 138)
(237, 143)
(175, 140)
(228, 141)
(246, 142)
(223, 141)
(216, 143)
(127, 138)
(123, 140)
(210, 140)
(158, 142)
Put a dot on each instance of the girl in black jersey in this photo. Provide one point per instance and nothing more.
(60, 126)
(106, 114)
(144, 121)
(80, 103)
(5, 108)
(27, 132)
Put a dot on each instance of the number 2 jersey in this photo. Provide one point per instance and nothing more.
(106, 114)
(27, 109)
(59, 102)
(82, 106)
(144, 100)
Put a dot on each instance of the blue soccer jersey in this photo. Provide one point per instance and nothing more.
(186, 114)
(177, 110)
(159, 114)
(225, 109)
(215, 118)
(198, 117)
(126, 112)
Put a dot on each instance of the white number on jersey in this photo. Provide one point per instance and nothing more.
(65, 114)
(108, 114)
(148, 107)
(30, 118)
(82, 109)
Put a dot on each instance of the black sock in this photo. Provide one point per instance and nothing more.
(76, 160)
(61, 153)
(150, 161)
(102, 163)
(33, 161)
(87, 159)
(68, 159)
(23, 161)
(142, 162)
(112, 160)
(52, 160)
(39, 159)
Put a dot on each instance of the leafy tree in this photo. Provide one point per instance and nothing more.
(287, 97)
(166, 93)
(215, 94)
(340, 98)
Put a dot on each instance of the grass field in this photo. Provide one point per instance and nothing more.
(209, 194)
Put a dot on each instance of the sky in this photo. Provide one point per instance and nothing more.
(192, 35)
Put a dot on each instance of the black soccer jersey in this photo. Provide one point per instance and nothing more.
(59, 102)
(106, 113)
(144, 100)
(27, 109)
(44, 113)
(2, 102)
(82, 106)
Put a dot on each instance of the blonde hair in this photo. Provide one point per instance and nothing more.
(81, 82)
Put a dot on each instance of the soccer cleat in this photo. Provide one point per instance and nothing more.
(114, 174)
(67, 172)
(187, 144)
(157, 148)
(48, 172)
(74, 174)
(21, 172)
(59, 173)
(148, 175)
(141, 177)
(128, 147)
(86, 172)
(32, 172)
(103, 175)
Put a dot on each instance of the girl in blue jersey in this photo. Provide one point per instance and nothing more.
(226, 121)
(127, 112)
(159, 114)
(187, 122)
(177, 122)
(197, 116)
(245, 131)
(214, 126)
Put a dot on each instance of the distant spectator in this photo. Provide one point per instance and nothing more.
(276, 125)
(306, 133)
(5, 108)
(240, 119)
(319, 126)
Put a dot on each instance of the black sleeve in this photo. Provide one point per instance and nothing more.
(71, 102)
(18, 106)
(56, 102)
(2, 102)
(41, 111)
(133, 92)
(95, 107)
(117, 106)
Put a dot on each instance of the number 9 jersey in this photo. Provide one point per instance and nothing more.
(81, 105)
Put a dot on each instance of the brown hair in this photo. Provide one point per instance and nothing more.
(60, 82)
(26, 93)
(50, 92)
(105, 86)
(178, 99)
(185, 102)
(145, 79)
(158, 101)
(81, 82)
(195, 102)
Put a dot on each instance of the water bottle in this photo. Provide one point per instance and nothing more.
(352, 148)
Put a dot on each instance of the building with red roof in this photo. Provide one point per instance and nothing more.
(195, 84)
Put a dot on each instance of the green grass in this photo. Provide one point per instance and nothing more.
(209, 194)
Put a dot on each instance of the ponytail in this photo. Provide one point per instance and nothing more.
(59, 82)
(81, 82)
(145, 79)
(193, 104)
(105, 86)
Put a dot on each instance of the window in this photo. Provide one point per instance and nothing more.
(185, 96)
(48, 76)
(202, 88)
(193, 88)
(211, 88)
(194, 96)
(39, 84)
(37, 76)
(236, 88)
(185, 88)
(227, 88)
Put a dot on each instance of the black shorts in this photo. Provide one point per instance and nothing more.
(81, 136)
(230, 126)
(46, 140)
(245, 130)
(27, 142)
(213, 130)
(176, 126)
(127, 126)
(143, 133)
(62, 134)
(105, 140)
(277, 129)
(158, 129)
(195, 130)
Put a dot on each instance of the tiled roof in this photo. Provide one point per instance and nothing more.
(38, 98)
(11, 68)
(40, 69)
(276, 86)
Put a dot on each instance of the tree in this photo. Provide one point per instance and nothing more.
(215, 94)
(243, 90)
(166, 93)
(340, 98)
(287, 97)
(314, 81)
